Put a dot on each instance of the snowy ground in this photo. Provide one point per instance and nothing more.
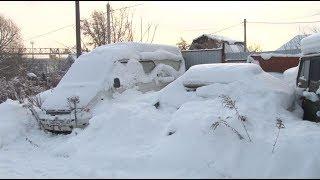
(128, 138)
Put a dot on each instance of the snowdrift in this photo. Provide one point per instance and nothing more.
(128, 137)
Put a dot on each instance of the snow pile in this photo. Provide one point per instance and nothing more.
(311, 44)
(266, 56)
(310, 96)
(219, 73)
(226, 78)
(128, 137)
(14, 121)
(290, 75)
(259, 97)
(92, 72)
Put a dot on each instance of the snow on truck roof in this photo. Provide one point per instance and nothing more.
(90, 73)
(311, 44)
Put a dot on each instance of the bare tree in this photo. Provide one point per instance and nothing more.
(11, 47)
(182, 44)
(121, 22)
(9, 35)
(254, 48)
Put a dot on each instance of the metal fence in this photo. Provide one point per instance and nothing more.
(208, 56)
(203, 56)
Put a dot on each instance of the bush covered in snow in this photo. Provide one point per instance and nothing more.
(19, 88)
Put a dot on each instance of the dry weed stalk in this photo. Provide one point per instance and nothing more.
(279, 125)
(231, 104)
(221, 121)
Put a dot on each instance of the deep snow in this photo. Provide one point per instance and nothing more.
(128, 136)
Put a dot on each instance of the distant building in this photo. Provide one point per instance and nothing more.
(294, 43)
(207, 41)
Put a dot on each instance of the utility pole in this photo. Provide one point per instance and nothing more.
(78, 35)
(140, 29)
(245, 34)
(108, 23)
(32, 49)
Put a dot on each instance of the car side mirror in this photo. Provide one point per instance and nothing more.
(116, 82)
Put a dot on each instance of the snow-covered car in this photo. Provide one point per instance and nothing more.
(105, 70)
(236, 79)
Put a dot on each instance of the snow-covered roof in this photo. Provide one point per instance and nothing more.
(231, 46)
(294, 43)
(92, 72)
(311, 44)
(219, 38)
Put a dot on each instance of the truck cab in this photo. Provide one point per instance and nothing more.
(308, 78)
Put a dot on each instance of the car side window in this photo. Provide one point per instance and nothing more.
(147, 66)
(172, 63)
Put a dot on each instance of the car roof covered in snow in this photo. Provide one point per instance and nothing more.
(219, 73)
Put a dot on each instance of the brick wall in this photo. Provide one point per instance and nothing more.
(277, 64)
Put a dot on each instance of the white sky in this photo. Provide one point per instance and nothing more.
(174, 19)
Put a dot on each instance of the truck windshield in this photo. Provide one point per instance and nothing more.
(309, 74)
(315, 69)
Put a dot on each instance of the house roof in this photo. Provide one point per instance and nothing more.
(231, 46)
(294, 43)
(219, 38)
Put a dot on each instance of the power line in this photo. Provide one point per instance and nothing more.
(315, 14)
(227, 28)
(212, 28)
(73, 24)
(127, 7)
(301, 22)
(50, 32)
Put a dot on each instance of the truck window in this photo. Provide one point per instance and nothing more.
(314, 75)
(315, 70)
(304, 73)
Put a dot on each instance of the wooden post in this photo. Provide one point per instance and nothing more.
(108, 23)
(245, 34)
(223, 55)
(78, 35)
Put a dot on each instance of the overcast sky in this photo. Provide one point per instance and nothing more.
(174, 19)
